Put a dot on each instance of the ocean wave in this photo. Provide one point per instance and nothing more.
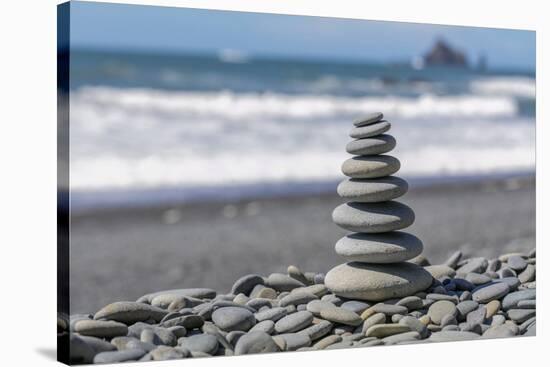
(505, 86)
(231, 105)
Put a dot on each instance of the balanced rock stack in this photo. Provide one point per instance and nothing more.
(377, 252)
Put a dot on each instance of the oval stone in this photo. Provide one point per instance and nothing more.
(101, 329)
(367, 131)
(377, 282)
(130, 312)
(440, 309)
(368, 119)
(487, 293)
(371, 146)
(294, 322)
(370, 166)
(372, 190)
(341, 316)
(379, 248)
(255, 342)
(233, 318)
(373, 217)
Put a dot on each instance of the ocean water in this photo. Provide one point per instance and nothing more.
(147, 128)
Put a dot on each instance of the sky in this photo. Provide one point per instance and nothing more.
(181, 30)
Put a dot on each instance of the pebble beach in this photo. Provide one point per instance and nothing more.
(468, 299)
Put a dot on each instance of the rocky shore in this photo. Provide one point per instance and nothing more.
(468, 299)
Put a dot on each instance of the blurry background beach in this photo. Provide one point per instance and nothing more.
(206, 145)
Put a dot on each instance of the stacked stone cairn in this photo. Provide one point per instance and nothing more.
(377, 252)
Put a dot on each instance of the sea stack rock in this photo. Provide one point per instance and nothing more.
(377, 252)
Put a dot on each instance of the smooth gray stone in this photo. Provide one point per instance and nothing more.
(273, 314)
(487, 293)
(449, 336)
(465, 307)
(316, 306)
(341, 315)
(266, 326)
(377, 282)
(371, 146)
(506, 272)
(297, 298)
(255, 342)
(474, 328)
(258, 303)
(528, 303)
(164, 353)
(187, 321)
(370, 166)
(97, 344)
(318, 330)
(101, 328)
(138, 344)
(498, 319)
(450, 328)
(176, 293)
(440, 271)
(356, 306)
(372, 190)
(498, 331)
(420, 260)
(332, 298)
(373, 217)
(80, 351)
(233, 318)
(119, 356)
(493, 265)
(381, 248)
(442, 297)
(521, 315)
(532, 331)
(246, 283)
(528, 275)
(282, 282)
(388, 309)
(368, 131)
(130, 312)
(474, 265)
(294, 341)
(368, 119)
(527, 324)
(395, 318)
(411, 302)
(384, 330)
(377, 318)
(441, 308)
(73, 319)
(478, 279)
(511, 299)
(398, 338)
(513, 282)
(517, 263)
(205, 343)
(415, 325)
(448, 320)
(233, 336)
(477, 316)
(453, 260)
(294, 322)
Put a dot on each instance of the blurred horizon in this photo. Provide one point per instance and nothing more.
(156, 29)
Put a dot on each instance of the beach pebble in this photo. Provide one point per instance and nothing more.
(100, 328)
(199, 293)
(477, 316)
(384, 330)
(498, 331)
(297, 298)
(119, 356)
(440, 271)
(371, 146)
(487, 293)
(474, 265)
(527, 275)
(453, 260)
(294, 322)
(368, 131)
(266, 326)
(477, 279)
(375, 319)
(399, 338)
(188, 321)
(388, 247)
(415, 325)
(512, 299)
(246, 283)
(164, 353)
(282, 282)
(205, 343)
(369, 119)
(528, 303)
(516, 263)
(377, 282)
(329, 340)
(294, 341)
(356, 306)
(255, 342)
(370, 166)
(316, 306)
(372, 190)
(97, 344)
(130, 312)
(341, 315)
(318, 330)
(411, 303)
(441, 308)
(233, 318)
(520, 315)
(273, 314)
(373, 217)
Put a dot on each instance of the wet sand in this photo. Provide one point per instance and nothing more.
(125, 253)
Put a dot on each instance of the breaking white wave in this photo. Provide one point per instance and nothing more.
(505, 86)
(142, 138)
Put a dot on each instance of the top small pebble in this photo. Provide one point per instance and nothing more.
(371, 118)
